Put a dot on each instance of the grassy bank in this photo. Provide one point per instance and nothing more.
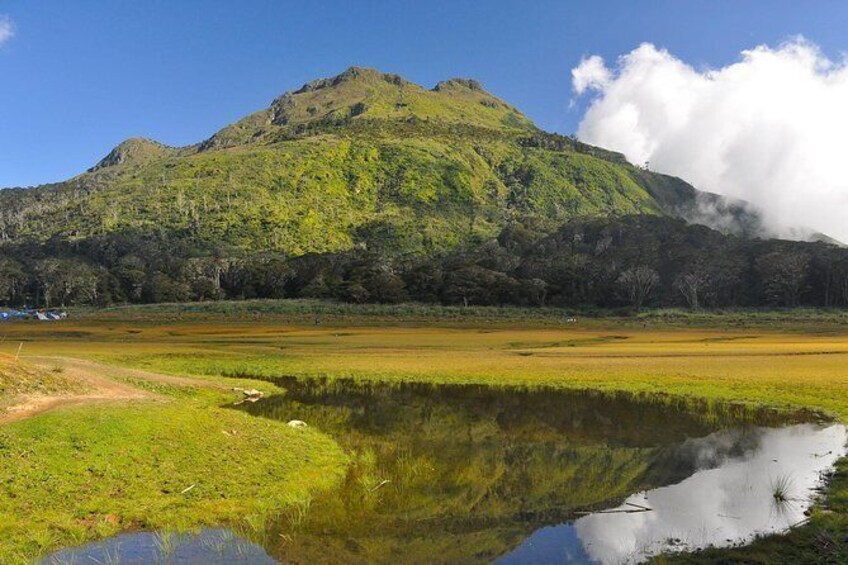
(175, 462)
(18, 379)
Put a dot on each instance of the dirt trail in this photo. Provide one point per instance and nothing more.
(97, 384)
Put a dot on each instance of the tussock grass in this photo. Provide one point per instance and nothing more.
(781, 488)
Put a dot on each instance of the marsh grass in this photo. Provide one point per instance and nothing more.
(165, 542)
(219, 543)
(297, 513)
(781, 490)
(112, 555)
(73, 560)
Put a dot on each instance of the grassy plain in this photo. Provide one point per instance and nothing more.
(756, 358)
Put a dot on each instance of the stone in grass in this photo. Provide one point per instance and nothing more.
(297, 424)
(250, 395)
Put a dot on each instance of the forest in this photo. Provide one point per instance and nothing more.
(629, 262)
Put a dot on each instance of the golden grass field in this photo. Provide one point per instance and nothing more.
(752, 365)
(755, 365)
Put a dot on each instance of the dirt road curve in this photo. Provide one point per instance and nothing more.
(97, 382)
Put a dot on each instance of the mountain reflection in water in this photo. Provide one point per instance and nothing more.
(476, 474)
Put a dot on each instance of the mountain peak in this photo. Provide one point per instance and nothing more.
(367, 93)
(352, 74)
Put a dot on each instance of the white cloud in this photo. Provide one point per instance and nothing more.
(590, 73)
(771, 128)
(7, 29)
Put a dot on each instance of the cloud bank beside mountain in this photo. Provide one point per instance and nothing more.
(771, 128)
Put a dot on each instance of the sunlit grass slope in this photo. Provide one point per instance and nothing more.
(364, 157)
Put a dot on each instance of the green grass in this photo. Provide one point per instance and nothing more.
(781, 489)
(91, 471)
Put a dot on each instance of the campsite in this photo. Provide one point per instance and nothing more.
(33, 314)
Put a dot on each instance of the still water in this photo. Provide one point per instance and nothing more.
(718, 505)
(208, 547)
(472, 473)
(476, 474)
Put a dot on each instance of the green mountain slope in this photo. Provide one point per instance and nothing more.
(361, 159)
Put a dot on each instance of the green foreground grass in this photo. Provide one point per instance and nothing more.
(176, 463)
(119, 467)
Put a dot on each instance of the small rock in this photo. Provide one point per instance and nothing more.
(250, 395)
(297, 424)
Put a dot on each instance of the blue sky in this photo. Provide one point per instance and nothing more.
(78, 77)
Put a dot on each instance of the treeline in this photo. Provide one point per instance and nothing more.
(634, 261)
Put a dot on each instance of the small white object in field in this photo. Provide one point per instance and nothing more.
(297, 424)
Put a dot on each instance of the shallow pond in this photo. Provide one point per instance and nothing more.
(479, 474)
(472, 473)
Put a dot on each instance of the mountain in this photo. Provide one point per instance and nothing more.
(363, 159)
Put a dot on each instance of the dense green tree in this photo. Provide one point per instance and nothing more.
(583, 263)
(159, 287)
